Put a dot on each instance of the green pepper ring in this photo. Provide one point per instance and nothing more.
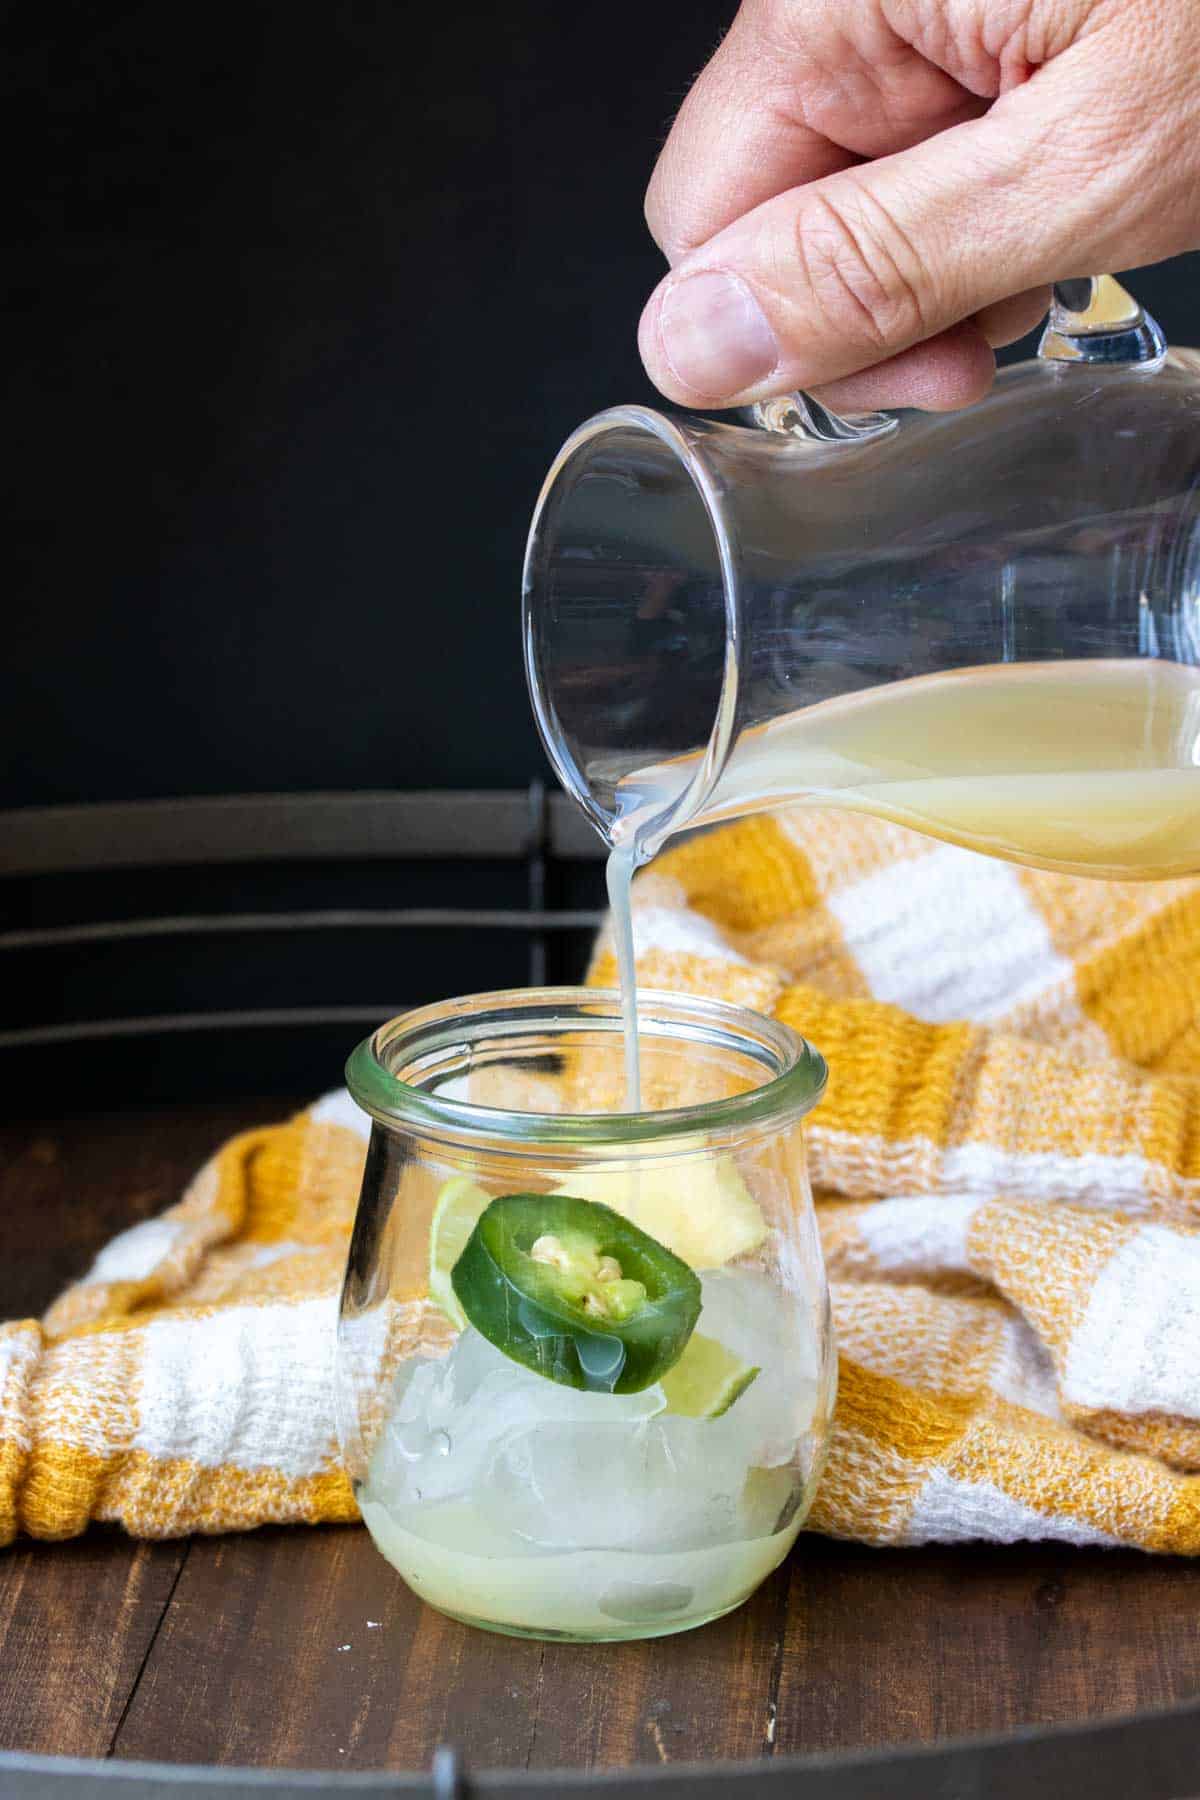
(519, 1305)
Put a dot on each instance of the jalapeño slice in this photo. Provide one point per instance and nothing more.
(576, 1292)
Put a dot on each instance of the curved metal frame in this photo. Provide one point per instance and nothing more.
(1153, 1756)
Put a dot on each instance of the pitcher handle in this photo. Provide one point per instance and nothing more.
(1093, 319)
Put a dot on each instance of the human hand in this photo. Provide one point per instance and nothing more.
(865, 197)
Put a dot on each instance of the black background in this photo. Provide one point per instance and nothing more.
(301, 301)
(304, 299)
(305, 306)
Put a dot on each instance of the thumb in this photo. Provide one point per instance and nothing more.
(843, 273)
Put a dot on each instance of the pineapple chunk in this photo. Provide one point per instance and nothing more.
(700, 1207)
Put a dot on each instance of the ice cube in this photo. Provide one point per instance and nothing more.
(449, 1418)
(646, 1485)
(644, 1602)
(666, 1482)
(564, 1469)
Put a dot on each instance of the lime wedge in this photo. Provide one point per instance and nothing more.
(455, 1216)
(701, 1209)
(706, 1380)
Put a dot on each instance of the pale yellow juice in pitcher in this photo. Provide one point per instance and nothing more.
(1088, 767)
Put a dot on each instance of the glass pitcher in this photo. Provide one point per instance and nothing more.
(982, 624)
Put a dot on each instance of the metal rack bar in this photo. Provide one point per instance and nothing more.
(42, 840)
(342, 918)
(510, 826)
(84, 1031)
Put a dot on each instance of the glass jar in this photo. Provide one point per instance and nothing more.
(588, 1494)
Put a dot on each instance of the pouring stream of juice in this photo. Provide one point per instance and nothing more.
(1089, 768)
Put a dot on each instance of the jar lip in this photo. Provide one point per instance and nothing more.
(793, 1091)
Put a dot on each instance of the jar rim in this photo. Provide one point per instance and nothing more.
(793, 1090)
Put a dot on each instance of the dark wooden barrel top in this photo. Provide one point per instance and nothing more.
(258, 1649)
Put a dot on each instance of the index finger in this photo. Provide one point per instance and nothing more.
(798, 89)
(737, 140)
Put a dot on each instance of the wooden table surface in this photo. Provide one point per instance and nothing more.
(303, 1648)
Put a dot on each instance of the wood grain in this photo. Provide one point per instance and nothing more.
(701, 1695)
(76, 1622)
(266, 1656)
(294, 1648)
(886, 1646)
(305, 1647)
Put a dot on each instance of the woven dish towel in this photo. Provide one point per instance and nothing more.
(1008, 1172)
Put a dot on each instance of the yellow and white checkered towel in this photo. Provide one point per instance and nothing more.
(1008, 1173)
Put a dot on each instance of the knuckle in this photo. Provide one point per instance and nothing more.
(776, 22)
(653, 210)
(672, 219)
(667, 207)
(861, 270)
